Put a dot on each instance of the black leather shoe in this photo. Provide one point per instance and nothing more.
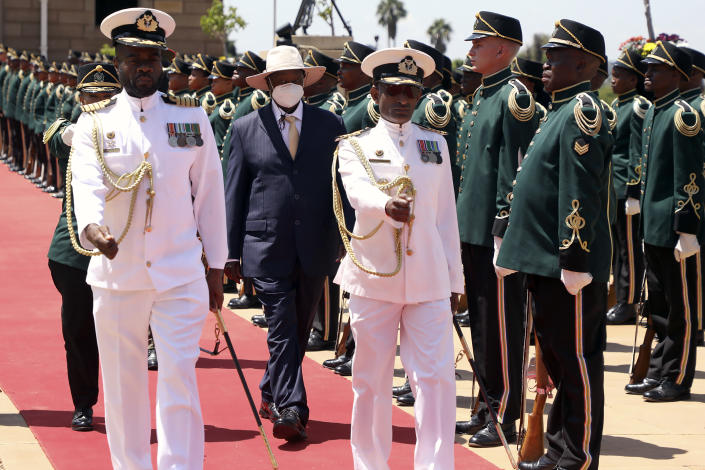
(288, 426)
(668, 391)
(152, 363)
(245, 301)
(259, 320)
(82, 420)
(406, 400)
(268, 411)
(335, 362)
(541, 464)
(488, 436)
(344, 369)
(620, 314)
(317, 343)
(59, 194)
(477, 422)
(463, 318)
(642, 387)
(402, 389)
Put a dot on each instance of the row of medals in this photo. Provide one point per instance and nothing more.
(183, 140)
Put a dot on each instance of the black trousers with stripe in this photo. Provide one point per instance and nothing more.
(325, 322)
(673, 300)
(570, 330)
(496, 329)
(628, 258)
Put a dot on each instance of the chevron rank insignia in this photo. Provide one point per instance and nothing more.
(581, 147)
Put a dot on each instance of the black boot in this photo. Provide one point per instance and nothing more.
(245, 301)
(620, 314)
(477, 422)
(488, 436)
(335, 362)
(402, 389)
(259, 320)
(406, 399)
(463, 318)
(668, 391)
(541, 464)
(642, 387)
(152, 363)
(317, 343)
(82, 419)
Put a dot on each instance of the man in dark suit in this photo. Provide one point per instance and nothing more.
(281, 228)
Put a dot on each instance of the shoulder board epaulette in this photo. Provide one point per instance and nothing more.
(543, 112)
(93, 107)
(686, 119)
(610, 114)
(335, 106)
(445, 96)
(431, 129)
(339, 98)
(59, 91)
(462, 108)
(259, 99)
(186, 101)
(51, 130)
(352, 134)
(226, 109)
(372, 112)
(521, 102)
(590, 123)
(208, 102)
(640, 106)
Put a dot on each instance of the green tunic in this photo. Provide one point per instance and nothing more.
(627, 138)
(356, 115)
(221, 115)
(4, 72)
(672, 171)
(53, 106)
(10, 93)
(503, 120)
(19, 99)
(37, 109)
(248, 100)
(332, 101)
(559, 218)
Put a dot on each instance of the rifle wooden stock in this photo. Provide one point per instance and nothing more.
(532, 445)
(641, 367)
(340, 348)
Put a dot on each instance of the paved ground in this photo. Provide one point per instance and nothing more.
(637, 435)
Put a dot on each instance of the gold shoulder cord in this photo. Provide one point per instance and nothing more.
(374, 115)
(612, 122)
(131, 181)
(683, 128)
(636, 106)
(588, 126)
(434, 119)
(405, 186)
(521, 114)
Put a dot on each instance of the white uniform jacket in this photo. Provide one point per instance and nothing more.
(434, 268)
(188, 182)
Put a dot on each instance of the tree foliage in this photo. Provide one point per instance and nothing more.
(439, 34)
(325, 12)
(218, 22)
(389, 12)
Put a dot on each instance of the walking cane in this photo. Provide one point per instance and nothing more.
(226, 335)
(481, 386)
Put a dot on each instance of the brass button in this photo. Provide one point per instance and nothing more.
(142, 118)
(149, 264)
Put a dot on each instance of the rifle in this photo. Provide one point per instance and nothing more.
(639, 368)
(532, 445)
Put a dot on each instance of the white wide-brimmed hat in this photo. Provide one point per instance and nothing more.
(285, 58)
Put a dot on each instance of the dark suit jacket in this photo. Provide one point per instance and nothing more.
(278, 208)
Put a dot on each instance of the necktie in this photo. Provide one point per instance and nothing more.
(293, 135)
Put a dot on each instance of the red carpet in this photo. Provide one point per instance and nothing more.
(33, 369)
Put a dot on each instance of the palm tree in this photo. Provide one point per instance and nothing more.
(439, 33)
(389, 12)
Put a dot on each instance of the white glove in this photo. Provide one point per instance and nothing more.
(574, 281)
(67, 134)
(686, 246)
(632, 206)
(501, 272)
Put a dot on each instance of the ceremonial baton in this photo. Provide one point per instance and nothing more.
(226, 335)
(481, 386)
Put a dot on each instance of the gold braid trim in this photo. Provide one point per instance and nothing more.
(208, 102)
(521, 114)
(89, 108)
(637, 170)
(690, 189)
(51, 130)
(132, 181)
(683, 128)
(542, 109)
(575, 222)
(702, 106)
(637, 106)
(404, 185)
(611, 115)
(259, 99)
(374, 115)
(588, 126)
(433, 118)
(223, 113)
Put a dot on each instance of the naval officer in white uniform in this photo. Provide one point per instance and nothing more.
(162, 153)
(406, 273)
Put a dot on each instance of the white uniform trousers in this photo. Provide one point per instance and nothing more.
(122, 319)
(427, 355)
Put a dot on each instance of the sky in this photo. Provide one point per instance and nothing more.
(616, 19)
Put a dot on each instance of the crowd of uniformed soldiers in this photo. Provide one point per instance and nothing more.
(624, 178)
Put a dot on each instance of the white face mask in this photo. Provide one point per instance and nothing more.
(287, 95)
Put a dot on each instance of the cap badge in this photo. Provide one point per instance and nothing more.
(408, 66)
(147, 22)
(98, 76)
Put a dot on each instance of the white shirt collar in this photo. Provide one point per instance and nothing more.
(392, 128)
(141, 104)
(278, 112)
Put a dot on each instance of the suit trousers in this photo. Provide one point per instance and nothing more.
(673, 299)
(289, 306)
(628, 257)
(496, 329)
(426, 348)
(78, 329)
(570, 330)
(325, 322)
(122, 320)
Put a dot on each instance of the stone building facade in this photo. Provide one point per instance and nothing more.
(74, 24)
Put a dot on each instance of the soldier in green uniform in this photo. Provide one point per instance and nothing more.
(178, 75)
(691, 91)
(218, 101)
(4, 67)
(470, 83)
(323, 93)
(672, 209)
(36, 124)
(25, 81)
(198, 81)
(359, 112)
(52, 101)
(68, 268)
(12, 84)
(628, 258)
(503, 120)
(37, 88)
(559, 235)
(529, 73)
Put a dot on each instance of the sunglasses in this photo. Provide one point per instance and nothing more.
(410, 91)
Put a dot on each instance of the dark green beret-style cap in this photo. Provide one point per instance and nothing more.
(669, 54)
(488, 23)
(569, 33)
